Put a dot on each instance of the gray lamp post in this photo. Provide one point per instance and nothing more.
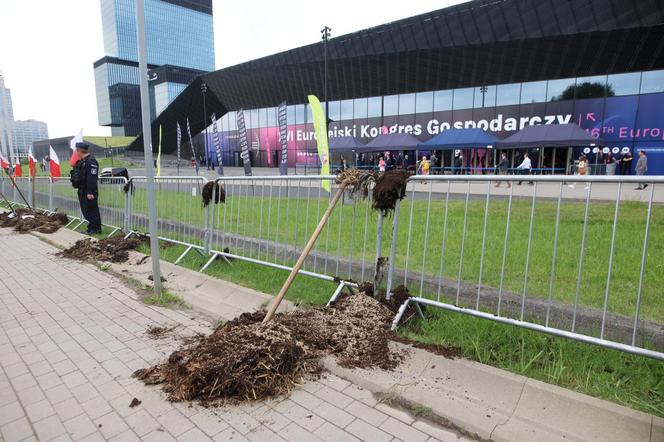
(326, 31)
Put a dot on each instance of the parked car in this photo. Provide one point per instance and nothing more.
(114, 172)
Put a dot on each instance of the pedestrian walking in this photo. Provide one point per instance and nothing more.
(458, 163)
(433, 163)
(525, 168)
(84, 178)
(581, 168)
(423, 167)
(642, 168)
(503, 168)
(381, 164)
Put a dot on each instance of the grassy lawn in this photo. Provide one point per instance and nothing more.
(629, 380)
(291, 221)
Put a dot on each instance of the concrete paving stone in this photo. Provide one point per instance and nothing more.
(312, 387)
(121, 405)
(84, 392)
(10, 412)
(361, 394)
(80, 426)
(74, 379)
(436, 432)
(49, 380)
(240, 421)
(657, 430)
(49, 428)
(142, 423)
(193, 435)
(403, 431)
(304, 417)
(110, 424)
(209, 422)
(401, 415)
(367, 432)
(175, 423)
(96, 407)
(272, 419)
(335, 382)
(7, 395)
(16, 430)
(230, 434)
(366, 413)
(294, 432)
(126, 436)
(30, 395)
(263, 434)
(39, 410)
(331, 433)
(10, 357)
(58, 393)
(64, 367)
(55, 356)
(41, 368)
(334, 414)
(94, 437)
(24, 381)
(158, 436)
(305, 399)
(334, 397)
(68, 409)
(16, 370)
(111, 390)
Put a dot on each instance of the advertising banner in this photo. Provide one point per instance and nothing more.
(283, 138)
(320, 127)
(217, 144)
(191, 143)
(178, 143)
(244, 145)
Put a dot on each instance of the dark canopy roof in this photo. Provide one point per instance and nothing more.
(346, 143)
(398, 141)
(548, 135)
(480, 42)
(460, 138)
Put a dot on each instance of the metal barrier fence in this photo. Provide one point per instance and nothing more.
(569, 256)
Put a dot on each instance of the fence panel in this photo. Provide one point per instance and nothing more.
(567, 258)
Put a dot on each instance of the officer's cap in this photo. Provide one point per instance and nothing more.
(84, 146)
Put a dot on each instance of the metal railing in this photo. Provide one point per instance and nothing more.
(567, 255)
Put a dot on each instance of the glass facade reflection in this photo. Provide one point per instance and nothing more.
(180, 43)
(617, 108)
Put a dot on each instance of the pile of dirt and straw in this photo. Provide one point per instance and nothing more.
(390, 187)
(113, 249)
(210, 188)
(246, 359)
(357, 181)
(28, 221)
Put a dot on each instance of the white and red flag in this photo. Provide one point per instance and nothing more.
(3, 162)
(17, 168)
(72, 145)
(54, 162)
(32, 163)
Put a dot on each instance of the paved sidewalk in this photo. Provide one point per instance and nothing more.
(71, 335)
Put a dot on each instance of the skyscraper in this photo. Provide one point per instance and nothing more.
(6, 119)
(180, 42)
(27, 132)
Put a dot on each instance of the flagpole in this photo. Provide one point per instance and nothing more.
(147, 143)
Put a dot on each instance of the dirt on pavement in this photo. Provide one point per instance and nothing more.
(245, 359)
(28, 221)
(114, 249)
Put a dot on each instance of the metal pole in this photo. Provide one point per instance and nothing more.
(147, 142)
(326, 35)
(205, 140)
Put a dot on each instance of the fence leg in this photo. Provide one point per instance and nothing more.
(336, 293)
(210, 261)
(379, 251)
(393, 250)
(399, 314)
(181, 257)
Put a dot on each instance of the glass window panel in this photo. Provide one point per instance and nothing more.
(562, 89)
(299, 114)
(591, 87)
(360, 108)
(533, 92)
(272, 117)
(442, 100)
(406, 104)
(652, 82)
(507, 94)
(347, 109)
(424, 102)
(290, 114)
(485, 96)
(463, 98)
(310, 117)
(262, 117)
(232, 120)
(391, 105)
(375, 106)
(334, 110)
(623, 84)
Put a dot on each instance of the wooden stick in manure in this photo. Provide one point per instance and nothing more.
(352, 180)
(19, 191)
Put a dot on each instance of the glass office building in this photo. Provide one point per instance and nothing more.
(180, 44)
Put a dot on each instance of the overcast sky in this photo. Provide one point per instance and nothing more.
(47, 47)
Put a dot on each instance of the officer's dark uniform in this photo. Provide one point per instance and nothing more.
(89, 208)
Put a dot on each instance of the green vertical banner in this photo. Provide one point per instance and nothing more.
(320, 127)
(159, 152)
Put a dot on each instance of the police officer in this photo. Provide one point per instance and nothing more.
(84, 177)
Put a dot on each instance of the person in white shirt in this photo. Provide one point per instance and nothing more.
(525, 168)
